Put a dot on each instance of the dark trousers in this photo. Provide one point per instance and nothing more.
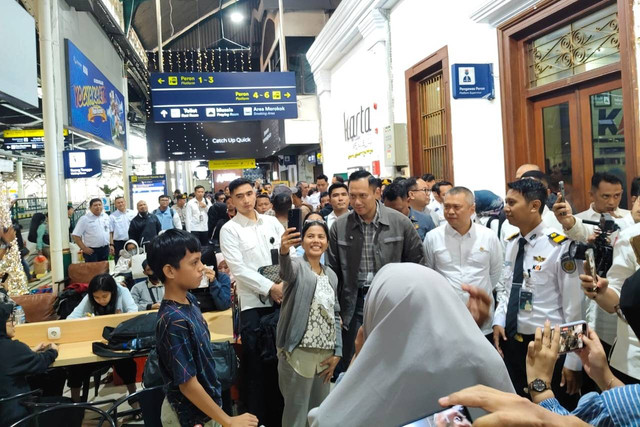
(99, 254)
(349, 335)
(515, 355)
(262, 394)
(203, 236)
(118, 245)
(126, 369)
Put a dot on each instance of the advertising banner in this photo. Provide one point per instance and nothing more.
(96, 107)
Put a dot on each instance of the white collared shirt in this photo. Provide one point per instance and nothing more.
(548, 218)
(331, 218)
(557, 295)
(197, 217)
(475, 258)
(119, 224)
(625, 356)
(93, 230)
(437, 211)
(605, 324)
(246, 246)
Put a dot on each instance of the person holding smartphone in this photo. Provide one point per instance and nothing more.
(309, 338)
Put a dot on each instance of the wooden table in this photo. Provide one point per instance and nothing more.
(77, 335)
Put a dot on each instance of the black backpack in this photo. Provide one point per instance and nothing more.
(67, 301)
(141, 328)
(267, 337)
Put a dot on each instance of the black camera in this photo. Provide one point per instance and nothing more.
(602, 247)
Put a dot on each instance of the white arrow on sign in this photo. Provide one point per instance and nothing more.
(164, 113)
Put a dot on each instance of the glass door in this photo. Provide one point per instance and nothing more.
(602, 124)
(558, 145)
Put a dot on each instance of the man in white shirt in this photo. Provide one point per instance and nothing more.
(465, 253)
(246, 242)
(339, 197)
(435, 207)
(197, 216)
(92, 233)
(539, 280)
(625, 357)
(181, 208)
(606, 195)
(119, 221)
(322, 184)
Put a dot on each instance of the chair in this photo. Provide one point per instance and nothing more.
(150, 400)
(19, 398)
(49, 415)
(97, 374)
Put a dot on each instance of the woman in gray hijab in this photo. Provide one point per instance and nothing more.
(420, 343)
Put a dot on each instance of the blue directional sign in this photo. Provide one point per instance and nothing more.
(81, 163)
(473, 81)
(202, 97)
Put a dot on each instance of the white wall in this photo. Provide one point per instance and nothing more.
(358, 80)
(418, 29)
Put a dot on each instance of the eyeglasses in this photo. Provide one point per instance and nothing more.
(314, 222)
(426, 190)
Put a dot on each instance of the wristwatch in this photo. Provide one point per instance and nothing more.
(538, 386)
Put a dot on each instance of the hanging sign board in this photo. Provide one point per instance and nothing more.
(472, 81)
(203, 97)
(26, 139)
(96, 107)
(81, 163)
(147, 188)
(216, 165)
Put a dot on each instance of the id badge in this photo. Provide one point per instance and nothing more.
(526, 300)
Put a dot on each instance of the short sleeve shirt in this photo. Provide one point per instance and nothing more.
(185, 351)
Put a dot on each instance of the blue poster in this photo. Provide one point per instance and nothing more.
(81, 163)
(472, 81)
(96, 107)
(210, 97)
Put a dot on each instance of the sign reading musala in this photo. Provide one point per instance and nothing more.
(357, 124)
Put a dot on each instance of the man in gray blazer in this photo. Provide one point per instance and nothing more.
(360, 244)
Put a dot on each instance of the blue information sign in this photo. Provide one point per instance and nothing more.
(202, 97)
(472, 81)
(81, 163)
(95, 105)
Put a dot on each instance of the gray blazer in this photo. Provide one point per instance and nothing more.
(299, 288)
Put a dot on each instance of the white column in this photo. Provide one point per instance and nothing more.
(282, 44)
(49, 48)
(126, 160)
(20, 178)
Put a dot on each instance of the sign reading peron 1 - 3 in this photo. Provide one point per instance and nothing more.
(201, 97)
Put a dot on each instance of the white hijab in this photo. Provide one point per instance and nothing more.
(421, 343)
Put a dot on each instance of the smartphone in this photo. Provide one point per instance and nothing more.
(571, 336)
(457, 415)
(561, 184)
(295, 220)
(590, 262)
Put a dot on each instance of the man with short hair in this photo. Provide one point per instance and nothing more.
(322, 185)
(606, 194)
(540, 284)
(197, 216)
(419, 194)
(324, 200)
(246, 242)
(92, 233)
(119, 221)
(144, 227)
(339, 202)
(395, 197)
(179, 207)
(430, 180)
(465, 253)
(167, 216)
(438, 190)
(263, 203)
(267, 188)
(298, 199)
(360, 244)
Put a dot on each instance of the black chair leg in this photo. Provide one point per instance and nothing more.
(96, 384)
(85, 389)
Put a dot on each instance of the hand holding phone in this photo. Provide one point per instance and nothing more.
(571, 335)
(456, 415)
(590, 263)
(295, 219)
(562, 193)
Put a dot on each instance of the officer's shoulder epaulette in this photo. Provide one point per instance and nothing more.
(513, 236)
(558, 238)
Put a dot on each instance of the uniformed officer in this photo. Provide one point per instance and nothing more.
(539, 284)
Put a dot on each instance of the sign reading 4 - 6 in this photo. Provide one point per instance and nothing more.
(201, 97)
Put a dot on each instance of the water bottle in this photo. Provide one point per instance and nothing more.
(19, 315)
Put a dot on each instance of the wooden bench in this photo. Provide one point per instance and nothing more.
(77, 335)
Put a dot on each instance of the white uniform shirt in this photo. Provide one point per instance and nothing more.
(437, 211)
(196, 216)
(605, 324)
(93, 230)
(246, 246)
(625, 356)
(119, 224)
(331, 218)
(548, 218)
(475, 258)
(557, 295)
(181, 213)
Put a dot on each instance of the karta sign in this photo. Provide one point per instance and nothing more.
(206, 97)
(96, 107)
(473, 81)
(359, 132)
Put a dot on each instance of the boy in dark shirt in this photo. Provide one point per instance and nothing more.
(183, 341)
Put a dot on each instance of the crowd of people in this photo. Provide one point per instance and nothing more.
(408, 294)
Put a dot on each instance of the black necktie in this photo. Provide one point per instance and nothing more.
(516, 284)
